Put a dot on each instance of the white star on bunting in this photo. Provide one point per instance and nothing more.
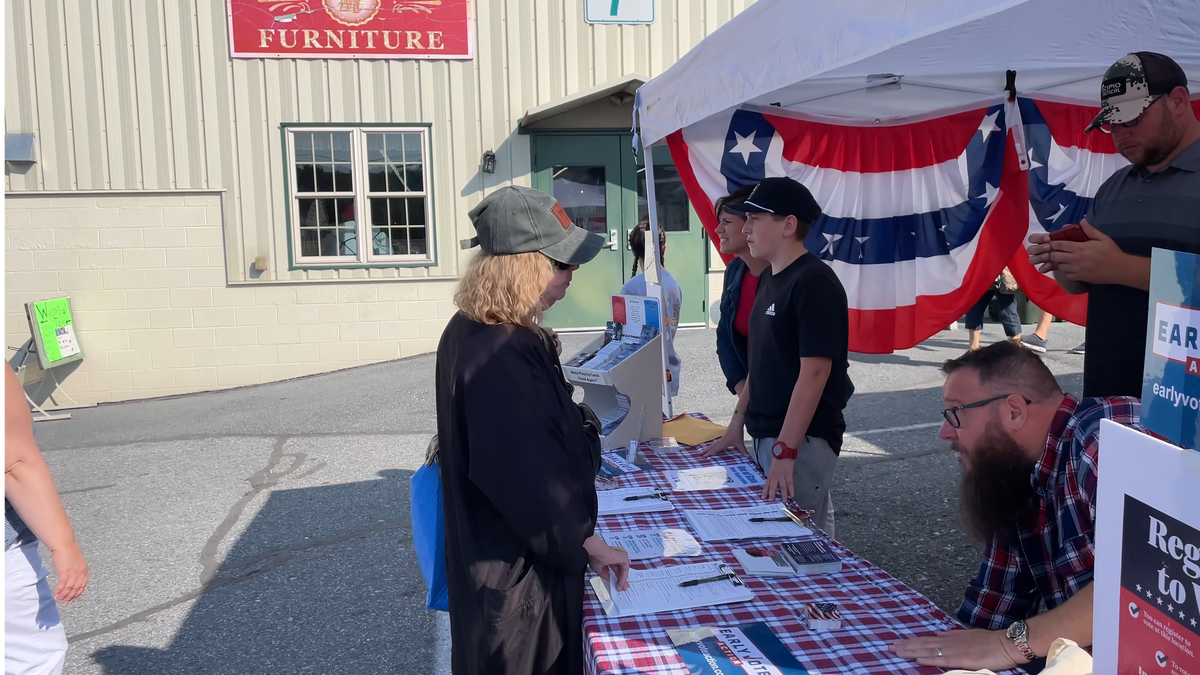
(1062, 208)
(745, 146)
(989, 125)
(1033, 163)
(830, 240)
(989, 194)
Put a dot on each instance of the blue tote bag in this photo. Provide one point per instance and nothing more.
(428, 528)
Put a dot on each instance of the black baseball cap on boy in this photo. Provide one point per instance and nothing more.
(781, 197)
(518, 219)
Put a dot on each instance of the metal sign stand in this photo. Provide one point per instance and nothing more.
(17, 362)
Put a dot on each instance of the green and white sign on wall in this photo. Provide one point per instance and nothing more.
(53, 332)
(619, 11)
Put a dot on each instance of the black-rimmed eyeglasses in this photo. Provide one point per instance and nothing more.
(1107, 128)
(951, 414)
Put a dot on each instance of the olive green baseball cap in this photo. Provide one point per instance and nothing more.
(1132, 84)
(517, 219)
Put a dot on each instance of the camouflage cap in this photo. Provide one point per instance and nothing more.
(1132, 84)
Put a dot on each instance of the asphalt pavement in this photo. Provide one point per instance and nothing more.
(266, 529)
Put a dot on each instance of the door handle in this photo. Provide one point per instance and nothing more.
(612, 240)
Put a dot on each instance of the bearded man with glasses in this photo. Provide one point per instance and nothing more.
(1028, 453)
(1154, 203)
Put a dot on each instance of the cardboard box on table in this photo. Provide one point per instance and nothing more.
(633, 387)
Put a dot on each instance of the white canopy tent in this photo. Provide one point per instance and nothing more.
(827, 58)
(880, 59)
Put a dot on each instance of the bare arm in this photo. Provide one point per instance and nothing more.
(29, 487)
(1071, 620)
(814, 373)
(736, 431)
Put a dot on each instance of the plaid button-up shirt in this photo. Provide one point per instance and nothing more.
(1051, 556)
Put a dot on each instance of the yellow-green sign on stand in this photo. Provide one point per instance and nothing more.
(53, 332)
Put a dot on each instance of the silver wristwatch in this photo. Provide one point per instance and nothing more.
(1018, 632)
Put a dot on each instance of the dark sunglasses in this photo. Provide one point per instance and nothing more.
(561, 267)
(951, 414)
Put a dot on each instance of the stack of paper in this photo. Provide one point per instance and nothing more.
(643, 544)
(633, 500)
(714, 478)
(666, 589)
(692, 431)
(751, 522)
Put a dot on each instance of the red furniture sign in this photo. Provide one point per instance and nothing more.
(350, 29)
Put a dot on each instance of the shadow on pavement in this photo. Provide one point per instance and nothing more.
(317, 583)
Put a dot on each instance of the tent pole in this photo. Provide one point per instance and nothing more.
(1063, 83)
(895, 79)
(653, 287)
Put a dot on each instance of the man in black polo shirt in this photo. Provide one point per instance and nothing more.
(799, 331)
(1153, 203)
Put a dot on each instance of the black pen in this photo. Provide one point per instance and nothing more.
(655, 495)
(770, 520)
(696, 582)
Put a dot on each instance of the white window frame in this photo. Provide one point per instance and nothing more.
(364, 253)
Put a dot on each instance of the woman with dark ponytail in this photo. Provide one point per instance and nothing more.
(672, 294)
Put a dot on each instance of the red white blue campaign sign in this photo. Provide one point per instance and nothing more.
(1171, 379)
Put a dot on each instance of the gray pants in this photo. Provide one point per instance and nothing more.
(812, 476)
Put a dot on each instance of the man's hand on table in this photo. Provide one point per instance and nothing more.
(779, 478)
(731, 439)
(968, 649)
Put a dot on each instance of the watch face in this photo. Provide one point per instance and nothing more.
(1017, 630)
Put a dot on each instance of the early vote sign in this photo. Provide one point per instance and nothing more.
(1171, 375)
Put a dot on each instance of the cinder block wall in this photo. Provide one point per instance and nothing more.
(146, 277)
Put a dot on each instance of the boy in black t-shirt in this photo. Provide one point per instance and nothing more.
(799, 330)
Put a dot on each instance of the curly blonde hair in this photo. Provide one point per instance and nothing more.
(499, 289)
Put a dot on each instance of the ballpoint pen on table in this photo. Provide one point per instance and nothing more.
(652, 495)
(771, 520)
(729, 574)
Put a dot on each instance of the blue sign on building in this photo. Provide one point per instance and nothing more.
(1171, 376)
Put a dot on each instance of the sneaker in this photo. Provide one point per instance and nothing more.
(1079, 349)
(1035, 343)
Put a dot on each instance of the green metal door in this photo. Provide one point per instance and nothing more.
(603, 188)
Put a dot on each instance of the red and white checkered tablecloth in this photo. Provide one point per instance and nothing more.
(876, 609)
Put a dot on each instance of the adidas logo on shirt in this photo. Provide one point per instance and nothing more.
(771, 310)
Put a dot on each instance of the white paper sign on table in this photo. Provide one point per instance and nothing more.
(660, 589)
(714, 478)
(633, 500)
(751, 522)
(643, 544)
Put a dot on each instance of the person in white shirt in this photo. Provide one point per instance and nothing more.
(672, 295)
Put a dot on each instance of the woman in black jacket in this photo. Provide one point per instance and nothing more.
(518, 463)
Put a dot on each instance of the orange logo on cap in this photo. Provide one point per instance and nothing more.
(561, 213)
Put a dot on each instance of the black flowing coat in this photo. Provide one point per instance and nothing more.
(519, 500)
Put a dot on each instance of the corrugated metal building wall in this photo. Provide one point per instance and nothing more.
(136, 105)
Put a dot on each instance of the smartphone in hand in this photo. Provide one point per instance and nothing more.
(1069, 233)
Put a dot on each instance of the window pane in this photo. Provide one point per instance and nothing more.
(324, 178)
(343, 182)
(412, 175)
(315, 212)
(395, 148)
(347, 241)
(308, 242)
(377, 178)
(374, 147)
(416, 241)
(412, 147)
(345, 211)
(322, 148)
(379, 241)
(582, 192)
(395, 176)
(379, 211)
(305, 182)
(329, 242)
(399, 241)
(303, 143)
(416, 210)
(397, 213)
(669, 193)
(341, 146)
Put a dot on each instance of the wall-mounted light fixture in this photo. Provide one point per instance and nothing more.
(488, 163)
